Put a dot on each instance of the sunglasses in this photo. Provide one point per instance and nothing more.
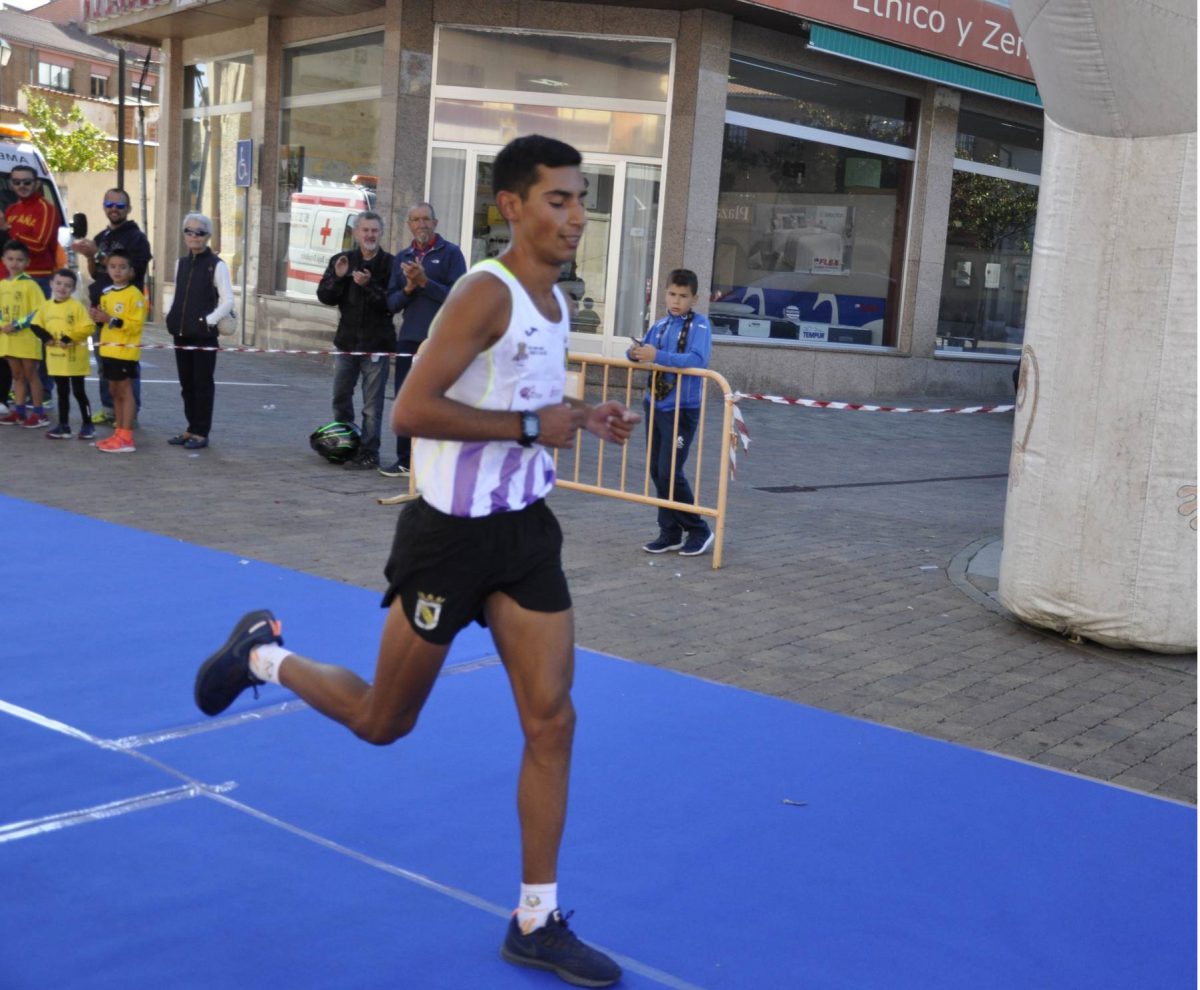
(108, 205)
(22, 182)
(195, 233)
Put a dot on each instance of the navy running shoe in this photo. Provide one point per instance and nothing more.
(226, 674)
(554, 946)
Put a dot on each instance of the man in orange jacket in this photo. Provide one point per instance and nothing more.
(32, 220)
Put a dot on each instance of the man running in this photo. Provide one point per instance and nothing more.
(485, 402)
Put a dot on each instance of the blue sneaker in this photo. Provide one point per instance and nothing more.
(663, 543)
(87, 432)
(554, 946)
(226, 674)
(697, 543)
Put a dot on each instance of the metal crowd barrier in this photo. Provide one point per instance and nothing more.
(592, 472)
(590, 458)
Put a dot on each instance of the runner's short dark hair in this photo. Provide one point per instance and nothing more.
(15, 246)
(516, 167)
(67, 273)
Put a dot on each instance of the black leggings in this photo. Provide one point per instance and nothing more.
(73, 383)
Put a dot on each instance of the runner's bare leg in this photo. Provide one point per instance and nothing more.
(538, 651)
(381, 712)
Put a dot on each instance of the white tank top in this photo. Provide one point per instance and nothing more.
(524, 369)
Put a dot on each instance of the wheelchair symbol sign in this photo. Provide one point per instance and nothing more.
(245, 164)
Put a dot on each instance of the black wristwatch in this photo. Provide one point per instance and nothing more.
(531, 426)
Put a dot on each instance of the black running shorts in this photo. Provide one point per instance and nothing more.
(443, 568)
(116, 370)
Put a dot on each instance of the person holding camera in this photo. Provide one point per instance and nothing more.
(126, 235)
(356, 283)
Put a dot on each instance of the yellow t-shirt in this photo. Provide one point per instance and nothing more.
(67, 319)
(129, 306)
(18, 298)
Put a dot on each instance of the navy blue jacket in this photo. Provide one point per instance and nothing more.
(444, 265)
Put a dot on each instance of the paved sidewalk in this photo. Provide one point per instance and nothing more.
(863, 590)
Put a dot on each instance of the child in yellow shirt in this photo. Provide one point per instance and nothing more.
(121, 313)
(19, 296)
(64, 325)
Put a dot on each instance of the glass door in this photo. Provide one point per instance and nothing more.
(611, 278)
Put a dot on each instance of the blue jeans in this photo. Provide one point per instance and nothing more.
(672, 522)
(374, 372)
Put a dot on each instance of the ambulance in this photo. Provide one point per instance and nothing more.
(16, 148)
(322, 224)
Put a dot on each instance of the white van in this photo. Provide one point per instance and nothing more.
(16, 148)
(322, 224)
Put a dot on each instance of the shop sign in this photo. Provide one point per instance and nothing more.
(95, 10)
(979, 32)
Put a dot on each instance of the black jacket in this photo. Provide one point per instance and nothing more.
(129, 237)
(195, 295)
(365, 323)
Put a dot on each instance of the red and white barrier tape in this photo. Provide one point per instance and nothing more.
(739, 432)
(253, 350)
(862, 406)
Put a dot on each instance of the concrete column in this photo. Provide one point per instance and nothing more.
(693, 161)
(264, 130)
(165, 238)
(930, 210)
(407, 86)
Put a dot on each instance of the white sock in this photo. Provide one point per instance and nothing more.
(265, 661)
(536, 903)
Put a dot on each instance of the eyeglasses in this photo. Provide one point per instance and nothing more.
(108, 205)
(195, 233)
(22, 182)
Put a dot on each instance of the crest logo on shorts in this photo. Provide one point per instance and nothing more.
(428, 611)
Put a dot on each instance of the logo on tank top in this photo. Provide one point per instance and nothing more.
(428, 611)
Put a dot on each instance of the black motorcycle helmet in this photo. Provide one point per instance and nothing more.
(337, 442)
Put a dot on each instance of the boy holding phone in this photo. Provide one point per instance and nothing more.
(681, 339)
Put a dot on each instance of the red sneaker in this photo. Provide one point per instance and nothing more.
(12, 419)
(35, 422)
(116, 444)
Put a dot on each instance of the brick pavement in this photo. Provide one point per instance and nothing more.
(857, 597)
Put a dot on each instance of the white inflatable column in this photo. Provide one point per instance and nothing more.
(1100, 523)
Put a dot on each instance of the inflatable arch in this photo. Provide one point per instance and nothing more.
(1100, 522)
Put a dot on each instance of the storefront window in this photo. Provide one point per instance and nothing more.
(328, 163)
(600, 68)
(794, 97)
(989, 241)
(216, 116)
(810, 220)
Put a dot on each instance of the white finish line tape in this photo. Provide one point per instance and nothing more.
(194, 788)
(100, 812)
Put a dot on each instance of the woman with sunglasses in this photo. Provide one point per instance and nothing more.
(203, 295)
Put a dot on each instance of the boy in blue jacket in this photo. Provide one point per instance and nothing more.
(681, 339)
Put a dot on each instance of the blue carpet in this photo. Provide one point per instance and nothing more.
(716, 838)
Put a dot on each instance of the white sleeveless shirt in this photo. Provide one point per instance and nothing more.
(524, 369)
